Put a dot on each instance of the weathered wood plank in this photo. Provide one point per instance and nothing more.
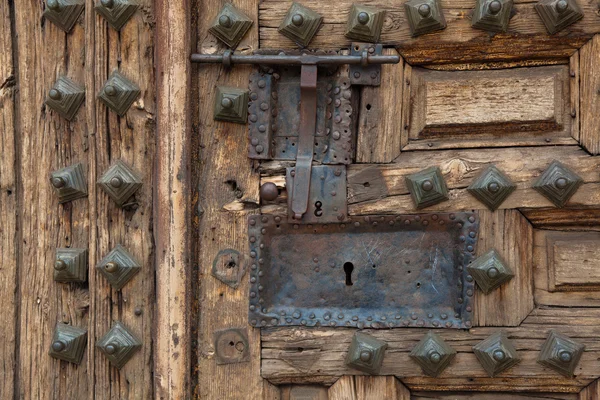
(589, 57)
(592, 392)
(492, 396)
(564, 219)
(368, 388)
(573, 259)
(574, 83)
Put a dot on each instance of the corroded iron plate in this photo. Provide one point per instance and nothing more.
(407, 270)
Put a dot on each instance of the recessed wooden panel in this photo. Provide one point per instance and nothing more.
(573, 261)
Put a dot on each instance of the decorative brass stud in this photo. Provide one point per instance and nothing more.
(120, 182)
(300, 24)
(496, 354)
(492, 15)
(490, 271)
(427, 187)
(230, 25)
(424, 16)
(64, 13)
(119, 93)
(71, 265)
(558, 14)
(366, 353)
(432, 354)
(269, 192)
(68, 343)
(365, 23)
(116, 12)
(118, 267)
(70, 183)
(231, 105)
(558, 183)
(492, 187)
(561, 353)
(119, 345)
(65, 98)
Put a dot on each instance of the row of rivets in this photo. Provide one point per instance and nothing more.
(65, 13)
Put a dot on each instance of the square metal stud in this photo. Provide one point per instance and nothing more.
(68, 343)
(365, 23)
(366, 353)
(490, 271)
(558, 14)
(424, 16)
(492, 187)
(71, 265)
(230, 25)
(116, 12)
(496, 354)
(64, 13)
(70, 183)
(558, 183)
(432, 354)
(300, 24)
(118, 267)
(65, 98)
(119, 345)
(561, 353)
(119, 93)
(492, 15)
(427, 187)
(120, 182)
(231, 105)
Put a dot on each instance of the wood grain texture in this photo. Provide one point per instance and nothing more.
(492, 396)
(589, 73)
(592, 392)
(573, 260)
(564, 219)
(574, 82)
(526, 38)
(368, 388)
(378, 139)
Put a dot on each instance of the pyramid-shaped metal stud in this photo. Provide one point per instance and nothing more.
(230, 25)
(490, 271)
(492, 15)
(427, 187)
(558, 14)
(365, 23)
(71, 265)
(496, 354)
(64, 13)
(558, 183)
(300, 24)
(432, 354)
(492, 187)
(66, 98)
(424, 16)
(366, 353)
(561, 353)
(119, 93)
(118, 267)
(70, 183)
(120, 182)
(231, 105)
(68, 343)
(116, 12)
(119, 345)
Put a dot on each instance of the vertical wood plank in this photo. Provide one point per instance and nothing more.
(574, 86)
(368, 388)
(589, 60)
(592, 392)
(405, 115)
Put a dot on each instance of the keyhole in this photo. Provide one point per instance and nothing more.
(318, 211)
(348, 268)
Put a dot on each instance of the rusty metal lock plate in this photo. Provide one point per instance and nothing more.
(377, 272)
(369, 75)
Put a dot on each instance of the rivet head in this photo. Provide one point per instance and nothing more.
(225, 21)
(363, 18)
(561, 183)
(59, 182)
(435, 357)
(493, 187)
(562, 6)
(565, 356)
(55, 94)
(298, 20)
(138, 311)
(60, 265)
(424, 10)
(269, 191)
(108, 3)
(110, 90)
(226, 102)
(259, 149)
(427, 185)
(53, 5)
(495, 7)
(111, 267)
(58, 346)
(499, 355)
(366, 355)
(116, 182)
(336, 135)
(111, 348)
(493, 272)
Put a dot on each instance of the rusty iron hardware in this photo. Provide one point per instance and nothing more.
(66, 97)
(424, 16)
(116, 12)
(558, 183)
(118, 267)
(561, 353)
(119, 345)
(119, 93)
(492, 187)
(365, 75)
(367, 272)
(68, 343)
(64, 13)
(492, 15)
(231, 105)
(300, 24)
(229, 267)
(231, 346)
(558, 14)
(427, 187)
(366, 353)
(496, 354)
(230, 25)
(120, 182)
(364, 23)
(490, 271)
(70, 183)
(269, 192)
(71, 265)
(432, 354)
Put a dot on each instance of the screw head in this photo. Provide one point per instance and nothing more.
(492, 272)
(269, 191)
(561, 183)
(424, 10)
(226, 102)
(59, 182)
(366, 355)
(499, 355)
(108, 3)
(493, 187)
(225, 21)
(363, 18)
(435, 357)
(58, 346)
(565, 356)
(53, 5)
(562, 6)
(60, 265)
(427, 185)
(55, 94)
(116, 182)
(495, 7)
(259, 149)
(111, 267)
(110, 90)
(111, 348)
(297, 19)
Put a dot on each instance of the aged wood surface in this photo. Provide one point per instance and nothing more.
(564, 219)
(303, 392)
(368, 388)
(573, 260)
(492, 396)
(592, 392)
(589, 57)
(459, 42)
(575, 81)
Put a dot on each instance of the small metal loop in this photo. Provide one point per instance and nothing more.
(227, 59)
(364, 59)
